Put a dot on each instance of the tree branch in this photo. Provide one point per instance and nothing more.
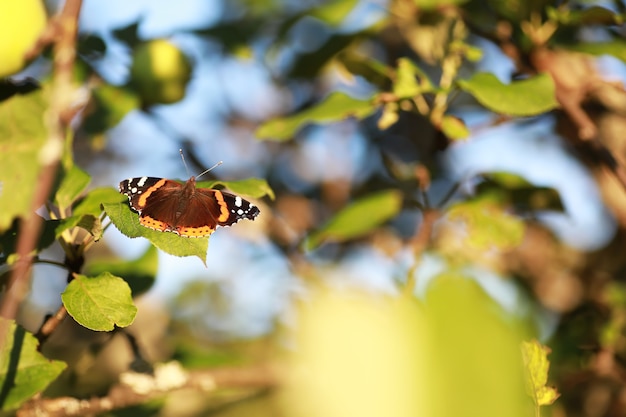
(137, 388)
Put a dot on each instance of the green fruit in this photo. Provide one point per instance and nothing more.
(21, 23)
(160, 72)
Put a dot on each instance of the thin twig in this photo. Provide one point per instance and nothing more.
(420, 242)
(50, 324)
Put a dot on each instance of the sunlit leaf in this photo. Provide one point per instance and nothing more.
(536, 365)
(22, 135)
(513, 190)
(389, 117)
(335, 107)
(454, 128)
(477, 347)
(405, 84)
(616, 48)
(127, 222)
(333, 12)
(92, 202)
(359, 355)
(359, 218)
(594, 15)
(139, 273)
(528, 97)
(72, 185)
(87, 222)
(99, 303)
(433, 4)
(24, 371)
(487, 224)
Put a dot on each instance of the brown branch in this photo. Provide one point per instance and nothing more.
(420, 243)
(136, 388)
(50, 155)
(50, 324)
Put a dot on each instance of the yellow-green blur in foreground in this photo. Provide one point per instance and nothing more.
(451, 355)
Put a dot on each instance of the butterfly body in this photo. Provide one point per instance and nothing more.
(169, 206)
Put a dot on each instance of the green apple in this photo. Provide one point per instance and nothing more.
(160, 72)
(21, 23)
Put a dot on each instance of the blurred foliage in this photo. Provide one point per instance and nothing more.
(361, 101)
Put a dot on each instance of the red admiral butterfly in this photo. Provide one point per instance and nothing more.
(169, 206)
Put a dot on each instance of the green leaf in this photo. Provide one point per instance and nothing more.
(99, 303)
(24, 371)
(528, 97)
(389, 116)
(74, 182)
(435, 4)
(513, 190)
(594, 15)
(358, 218)
(127, 221)
(487, 224)
(22, 135)
(477, 349)
(333, 13)
(536, 365)
(372, 70)
(410, 80)
(405, 84)
(92, 202)
(616, 48)
(337, 106)
(88, 222)
(110, 105)
(250, 187)
(611, 334)
(454, 128)
(139, 273)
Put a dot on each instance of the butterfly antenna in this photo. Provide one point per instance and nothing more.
(184, 162)
(213, 167)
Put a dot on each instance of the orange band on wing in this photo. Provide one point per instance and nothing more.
(149, 222)
(144, 196)
(224, 214)
(195, 231)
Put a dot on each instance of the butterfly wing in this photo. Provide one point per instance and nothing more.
(157, 200)
(232, 208)
(209, 208)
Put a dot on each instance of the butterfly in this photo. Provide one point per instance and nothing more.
(169, 206)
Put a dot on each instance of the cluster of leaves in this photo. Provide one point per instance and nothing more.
(76, 220)
(412, 80)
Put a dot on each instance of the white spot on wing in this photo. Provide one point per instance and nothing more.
(142, 181)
